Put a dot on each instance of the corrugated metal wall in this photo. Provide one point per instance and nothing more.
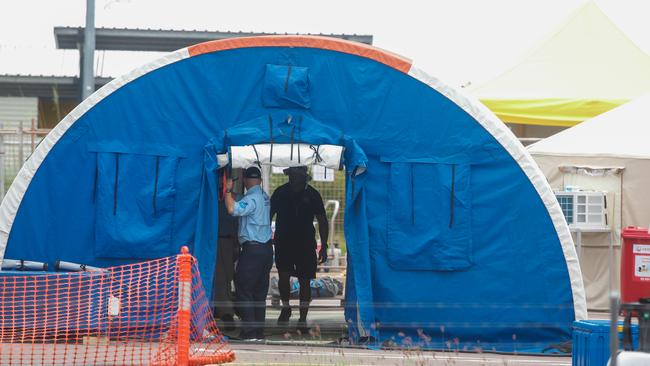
(16, 109)
(15, 146)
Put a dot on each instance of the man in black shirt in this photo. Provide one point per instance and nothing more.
(296, 204)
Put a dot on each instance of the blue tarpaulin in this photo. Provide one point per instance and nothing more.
(449, 229)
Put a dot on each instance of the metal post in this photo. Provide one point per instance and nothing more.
(32, 134)
(612, 265)
(21, 157)
(335, 212)
(613, 327)
(184, 307)
(613, 304)
(88, 52)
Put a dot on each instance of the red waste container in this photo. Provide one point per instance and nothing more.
(635, 264)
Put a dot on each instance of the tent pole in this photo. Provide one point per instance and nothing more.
(88, 52)
(613, 305)
(579, 242)
(266, 179)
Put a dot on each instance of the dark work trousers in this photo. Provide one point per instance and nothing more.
(227, 250)
(252, 286)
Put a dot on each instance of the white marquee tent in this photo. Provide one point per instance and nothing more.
(584, 68)
(609, 153)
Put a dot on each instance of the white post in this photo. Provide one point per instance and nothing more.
(266, 179)
(613, 327)
(613, 304)
(579, 243)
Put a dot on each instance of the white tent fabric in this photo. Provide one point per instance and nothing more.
(616, 144)
(587, 56)
(584, 68)
(623, 132)
(285, 155)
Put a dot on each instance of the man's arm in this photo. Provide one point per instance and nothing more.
(243, 207)
(230, 200)
(323, 226)
(323, 230)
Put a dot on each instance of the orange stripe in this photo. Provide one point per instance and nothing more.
(333, 44)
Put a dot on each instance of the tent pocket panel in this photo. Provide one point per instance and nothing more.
(134, 203)
(286, 86)
(429, 217)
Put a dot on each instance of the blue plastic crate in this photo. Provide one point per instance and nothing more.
(591, 341)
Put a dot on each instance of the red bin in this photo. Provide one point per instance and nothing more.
(635, 264)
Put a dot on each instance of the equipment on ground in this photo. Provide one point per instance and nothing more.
(22, 265)
(74, 267)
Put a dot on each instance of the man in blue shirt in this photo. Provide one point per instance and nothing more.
(256, 257)
(224, 271)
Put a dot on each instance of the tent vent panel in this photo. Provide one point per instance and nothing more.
(435, 233)
(134, 205)
(286, 86)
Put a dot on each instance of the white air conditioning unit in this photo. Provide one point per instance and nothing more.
(584, 210)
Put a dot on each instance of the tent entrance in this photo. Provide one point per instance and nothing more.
(327, 176)
(331, 186)
(330, 177)
(280, 140)
(327, 306)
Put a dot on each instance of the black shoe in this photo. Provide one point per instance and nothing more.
(228, 323)
(302, 327)
(246, 337)
(285, 315)
(251, 340)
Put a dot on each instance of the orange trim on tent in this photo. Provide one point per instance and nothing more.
(333, 44)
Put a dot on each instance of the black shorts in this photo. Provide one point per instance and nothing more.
(299, 261)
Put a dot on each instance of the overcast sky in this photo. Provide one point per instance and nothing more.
(456, 40)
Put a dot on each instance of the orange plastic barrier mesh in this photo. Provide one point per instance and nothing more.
(149, 313)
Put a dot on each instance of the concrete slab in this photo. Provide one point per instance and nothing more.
(269, 354)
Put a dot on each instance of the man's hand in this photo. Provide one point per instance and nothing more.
(229, 200)
(323, 230)
(229, 184)
(322, 254)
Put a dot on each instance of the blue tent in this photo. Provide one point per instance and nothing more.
(454, 236)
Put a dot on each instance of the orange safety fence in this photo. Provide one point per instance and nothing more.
(148, 313)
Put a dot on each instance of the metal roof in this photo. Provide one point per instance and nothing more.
(44, 86)
(163, 40)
